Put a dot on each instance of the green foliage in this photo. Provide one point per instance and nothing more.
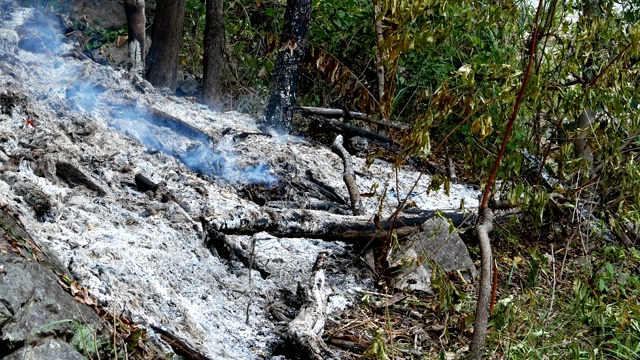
(100, 37)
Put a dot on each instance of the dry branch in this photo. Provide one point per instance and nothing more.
(348, 176)
(230, 250)
(338, 126)
(319, 224)
(340, 113)
(180, 346)
(305, 330)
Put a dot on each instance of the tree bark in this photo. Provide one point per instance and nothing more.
(213, 54)
(293, 45)
(136, 21)
(166, 41)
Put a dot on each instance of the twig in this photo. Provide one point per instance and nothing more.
(494, 287)
(348, 176)
(251, 257)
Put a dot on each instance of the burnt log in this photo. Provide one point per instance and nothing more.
(73, 176)
(346, 114)
(340, 127)
(230, 250)
(144, 184)
(180, 346)
(304, 332)
(321, 225)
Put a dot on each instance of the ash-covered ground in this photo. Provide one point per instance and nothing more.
(138, 253)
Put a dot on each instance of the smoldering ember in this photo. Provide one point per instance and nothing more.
(152, 208)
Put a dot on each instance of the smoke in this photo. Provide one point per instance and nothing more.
(85, 90)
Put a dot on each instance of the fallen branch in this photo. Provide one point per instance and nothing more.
(180, 346)
(230, 250)
(306, 329)
(348, 176)
(343, 128)
(339, 113)
(319, 224)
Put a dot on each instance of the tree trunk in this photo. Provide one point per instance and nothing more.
(136, 21)
(293, 44)
(590, 12)
(213, 54)
(166, 41)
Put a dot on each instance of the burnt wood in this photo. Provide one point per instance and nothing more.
(143, 184)
(73, 176)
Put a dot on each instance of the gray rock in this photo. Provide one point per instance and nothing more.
(36, 314)
(48, 348)
(434, 243)
(188, 86)
(39, 201)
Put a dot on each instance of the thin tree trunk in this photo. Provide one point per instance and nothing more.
(380, 39)
(484, 293)
(136, 20)
(590, 11)
(213, 54)
(166, 41)
(293, 45)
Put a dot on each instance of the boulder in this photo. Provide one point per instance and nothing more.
(435, 243)
(37, 316)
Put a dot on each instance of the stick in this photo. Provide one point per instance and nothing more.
(338, 113)
(348, 176)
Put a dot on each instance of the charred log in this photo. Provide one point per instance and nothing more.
(321, 225)
(143, 184)
(73, 176)
(342, 128)
(305, 330)
(344, 113)
(180, 346)
(230, 250)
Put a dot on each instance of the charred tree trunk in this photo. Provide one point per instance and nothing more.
(136, 20)
(213, 54)
(166, 40)
(293, 44)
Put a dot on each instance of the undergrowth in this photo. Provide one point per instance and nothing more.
(559, 296)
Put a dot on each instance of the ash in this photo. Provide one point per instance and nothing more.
(134, 252)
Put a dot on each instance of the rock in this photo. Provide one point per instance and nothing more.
(48, 349)
(36, 314)
(39, 201)
(188, 86)
(436, 242)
